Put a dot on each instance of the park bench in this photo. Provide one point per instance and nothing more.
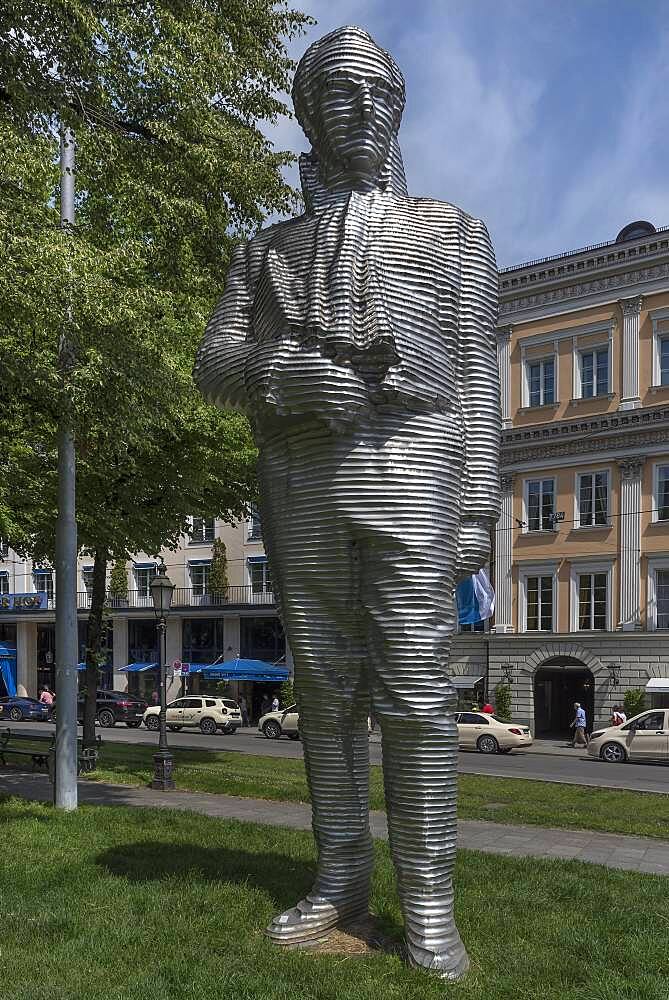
(43, 756)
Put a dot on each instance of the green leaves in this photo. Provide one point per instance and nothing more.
(165, 99)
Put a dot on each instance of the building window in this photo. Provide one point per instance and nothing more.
(661, 505)
(541, 382)
(43, 580)
(593, 499)
(255, 527)
(199, 578)
(262, 639)
(4, 583)
(261, 582)
(593, 601)
(4, 549)
(540, 502)
(202, 530)
(662, 598)
(594, 372)
(664, 360)
(142, 641)
(87, 577)
(203, 640)
(473, 627)
(143, 577)
(539, 597)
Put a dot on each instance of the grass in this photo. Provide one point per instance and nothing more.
(127, 904)
(501, 800)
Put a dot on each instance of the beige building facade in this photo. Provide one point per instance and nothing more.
(581, 554)
(201, 628)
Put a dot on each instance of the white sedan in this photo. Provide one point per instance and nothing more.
(488, 734)
(645, 737)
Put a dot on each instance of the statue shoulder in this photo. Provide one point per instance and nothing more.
(443, 213)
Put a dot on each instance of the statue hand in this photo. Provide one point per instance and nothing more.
(473, 547)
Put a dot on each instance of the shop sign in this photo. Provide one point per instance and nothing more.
(23, 602)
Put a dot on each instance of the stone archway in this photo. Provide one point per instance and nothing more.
(560, 674)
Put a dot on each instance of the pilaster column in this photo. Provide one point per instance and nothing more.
(504, 364)
(503, 559)
(120, 653)
(631, 309)
(26, 659)
(173, 651)
(630, 543)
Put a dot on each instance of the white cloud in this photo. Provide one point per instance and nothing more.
(505, 115)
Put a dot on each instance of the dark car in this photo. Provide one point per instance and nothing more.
(113, 707)
(18, 709)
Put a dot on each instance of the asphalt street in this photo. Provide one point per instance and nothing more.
(548, 762)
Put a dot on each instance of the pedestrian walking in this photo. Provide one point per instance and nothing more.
(243, 704)
(264, 705)
(155, 697)
(46, 697)
(275, 704)
(488, 709)
(579, 726)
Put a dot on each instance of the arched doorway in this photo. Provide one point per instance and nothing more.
(558, 683)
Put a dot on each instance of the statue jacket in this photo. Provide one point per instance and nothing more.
(370, 300)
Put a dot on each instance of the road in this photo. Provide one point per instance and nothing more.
(556, 764)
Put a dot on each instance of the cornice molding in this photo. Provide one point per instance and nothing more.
(582, 289)
(632, 429)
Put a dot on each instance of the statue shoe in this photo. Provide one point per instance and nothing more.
(435, 945)
(313, 918)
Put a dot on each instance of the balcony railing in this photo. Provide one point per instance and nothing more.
(183, 597)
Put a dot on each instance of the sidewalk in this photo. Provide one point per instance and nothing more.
(631, 853)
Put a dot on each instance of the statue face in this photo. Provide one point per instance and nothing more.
(355, 122)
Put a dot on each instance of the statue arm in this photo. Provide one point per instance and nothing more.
(221, 358)
(479, 377)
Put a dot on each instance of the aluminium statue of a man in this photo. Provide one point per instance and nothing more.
(359, 339)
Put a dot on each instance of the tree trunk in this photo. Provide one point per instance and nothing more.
(94, 643)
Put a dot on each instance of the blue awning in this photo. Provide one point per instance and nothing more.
(240, 670)
(8, 668)
(133, 667)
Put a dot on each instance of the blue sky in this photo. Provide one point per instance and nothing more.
(549, 120)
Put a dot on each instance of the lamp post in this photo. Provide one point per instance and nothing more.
(614, 673)
(507, 670)
(162, 589)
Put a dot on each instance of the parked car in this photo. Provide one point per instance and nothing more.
(644, 737)
(17, 709)
(112, 707)
(488, 734)
(208, 713)
(274, 725)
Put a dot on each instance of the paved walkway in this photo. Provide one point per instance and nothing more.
(632, 853)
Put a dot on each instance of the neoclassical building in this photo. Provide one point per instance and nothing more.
(581, 554)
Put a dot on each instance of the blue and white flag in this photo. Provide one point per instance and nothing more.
(475, 599)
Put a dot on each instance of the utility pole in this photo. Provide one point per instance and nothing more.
(67, 654)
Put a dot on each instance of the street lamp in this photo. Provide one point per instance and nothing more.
(507, 670)
(614, 673)
(162, 589)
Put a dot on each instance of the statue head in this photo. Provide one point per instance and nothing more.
(349, 97)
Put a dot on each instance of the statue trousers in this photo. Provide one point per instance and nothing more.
(361, 529)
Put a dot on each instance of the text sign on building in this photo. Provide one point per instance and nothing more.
(23, 602)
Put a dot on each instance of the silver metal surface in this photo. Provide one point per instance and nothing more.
(359, 338)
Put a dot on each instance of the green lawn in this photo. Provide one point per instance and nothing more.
(503, 800)
(128, 904)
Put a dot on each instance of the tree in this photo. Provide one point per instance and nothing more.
(118, 581)
(218, 574)
(503, 701)
(286, 694)
(165, 101)
(634, 702)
